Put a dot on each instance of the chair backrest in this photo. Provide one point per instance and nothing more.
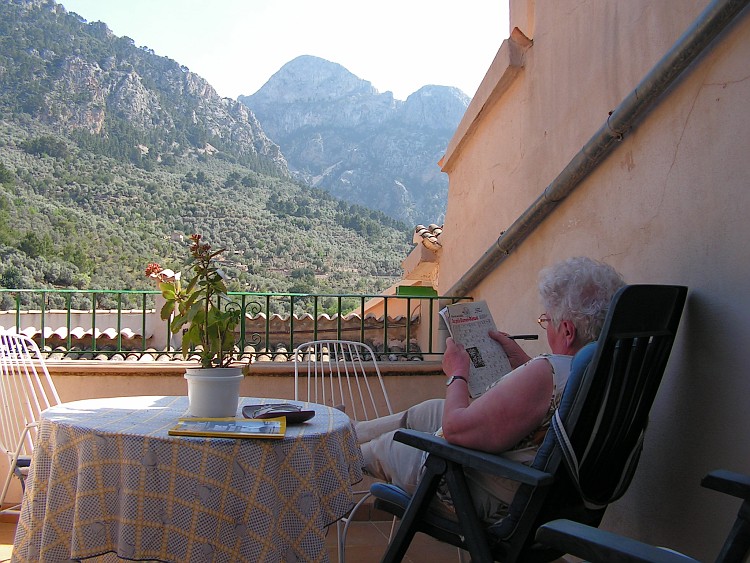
(341, 373)
(26, 389)
(603, 414)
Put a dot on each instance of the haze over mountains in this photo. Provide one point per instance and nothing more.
(334, 130)
(340, 134)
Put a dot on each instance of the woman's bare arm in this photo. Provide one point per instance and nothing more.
(502, 416)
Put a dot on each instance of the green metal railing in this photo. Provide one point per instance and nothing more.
(102, 317)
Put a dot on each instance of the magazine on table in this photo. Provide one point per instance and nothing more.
(230, 427)
(469, 324)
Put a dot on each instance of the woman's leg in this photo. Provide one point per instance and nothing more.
(426, 416)
(370, 429)
(392, 461)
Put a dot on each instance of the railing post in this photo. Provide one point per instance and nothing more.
(18, 312)
(385, 325)
(94, 305)
(243, 324)
(291, 324)
(339, 319)
(362, 318)
(68, 316)
(143, 323)
(119, 322)
(267, 343)
(315, 318)
(157, 330)
(42, 311)
(407, 343)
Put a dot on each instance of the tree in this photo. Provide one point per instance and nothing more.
(232, 180)
(201, 178)
(11, 278)
(34, 245)
(6, 176)
(47, 145)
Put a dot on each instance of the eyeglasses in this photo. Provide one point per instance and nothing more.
(543, 320)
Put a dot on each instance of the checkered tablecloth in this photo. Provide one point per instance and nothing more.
(106, 479)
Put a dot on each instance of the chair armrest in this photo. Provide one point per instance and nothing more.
(593, 544)
(481, 461)
(728, 482)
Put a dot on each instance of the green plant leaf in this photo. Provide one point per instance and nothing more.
(166, 310)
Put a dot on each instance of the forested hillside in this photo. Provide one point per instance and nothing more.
(70, 218)
(109, 153)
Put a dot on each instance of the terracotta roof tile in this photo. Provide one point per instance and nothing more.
(428, 236)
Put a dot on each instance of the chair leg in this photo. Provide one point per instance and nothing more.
(18, 472)
(474, 537)
(342, 531)
(16, 508)
(341, 539)
(434, 469)
(393, 528)
(6, 486)
(737, 544)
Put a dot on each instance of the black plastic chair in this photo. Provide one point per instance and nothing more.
(601, 546)
(587, 458)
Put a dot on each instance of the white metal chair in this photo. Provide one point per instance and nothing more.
(336, 373)
(26, 389)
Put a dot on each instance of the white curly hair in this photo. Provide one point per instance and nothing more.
(579, 290)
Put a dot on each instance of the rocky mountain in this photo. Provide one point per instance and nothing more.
(340, 134)
(81, 78)
(110, 155)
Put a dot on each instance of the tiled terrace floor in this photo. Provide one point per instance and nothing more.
(365, 544)
(7, 531)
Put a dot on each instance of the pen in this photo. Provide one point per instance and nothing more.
(524, 337)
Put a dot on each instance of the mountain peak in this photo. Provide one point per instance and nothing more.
(342, 135)
(436, 107)
(308, 77)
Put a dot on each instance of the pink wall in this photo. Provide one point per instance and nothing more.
(669, 205)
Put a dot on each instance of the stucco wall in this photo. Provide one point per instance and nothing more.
(668, 206)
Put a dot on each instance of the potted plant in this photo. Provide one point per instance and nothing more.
(207, 318)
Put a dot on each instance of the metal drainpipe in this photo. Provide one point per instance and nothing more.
(711, 22)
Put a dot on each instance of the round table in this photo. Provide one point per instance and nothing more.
(107, 480)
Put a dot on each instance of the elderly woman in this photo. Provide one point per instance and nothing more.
(512, 416)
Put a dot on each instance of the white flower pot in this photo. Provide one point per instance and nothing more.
(213, 392)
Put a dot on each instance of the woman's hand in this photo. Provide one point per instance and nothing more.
(455, 359)
(516, 355)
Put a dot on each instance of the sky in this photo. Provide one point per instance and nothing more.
(237, 45)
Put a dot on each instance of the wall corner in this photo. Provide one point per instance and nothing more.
(523, 16)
